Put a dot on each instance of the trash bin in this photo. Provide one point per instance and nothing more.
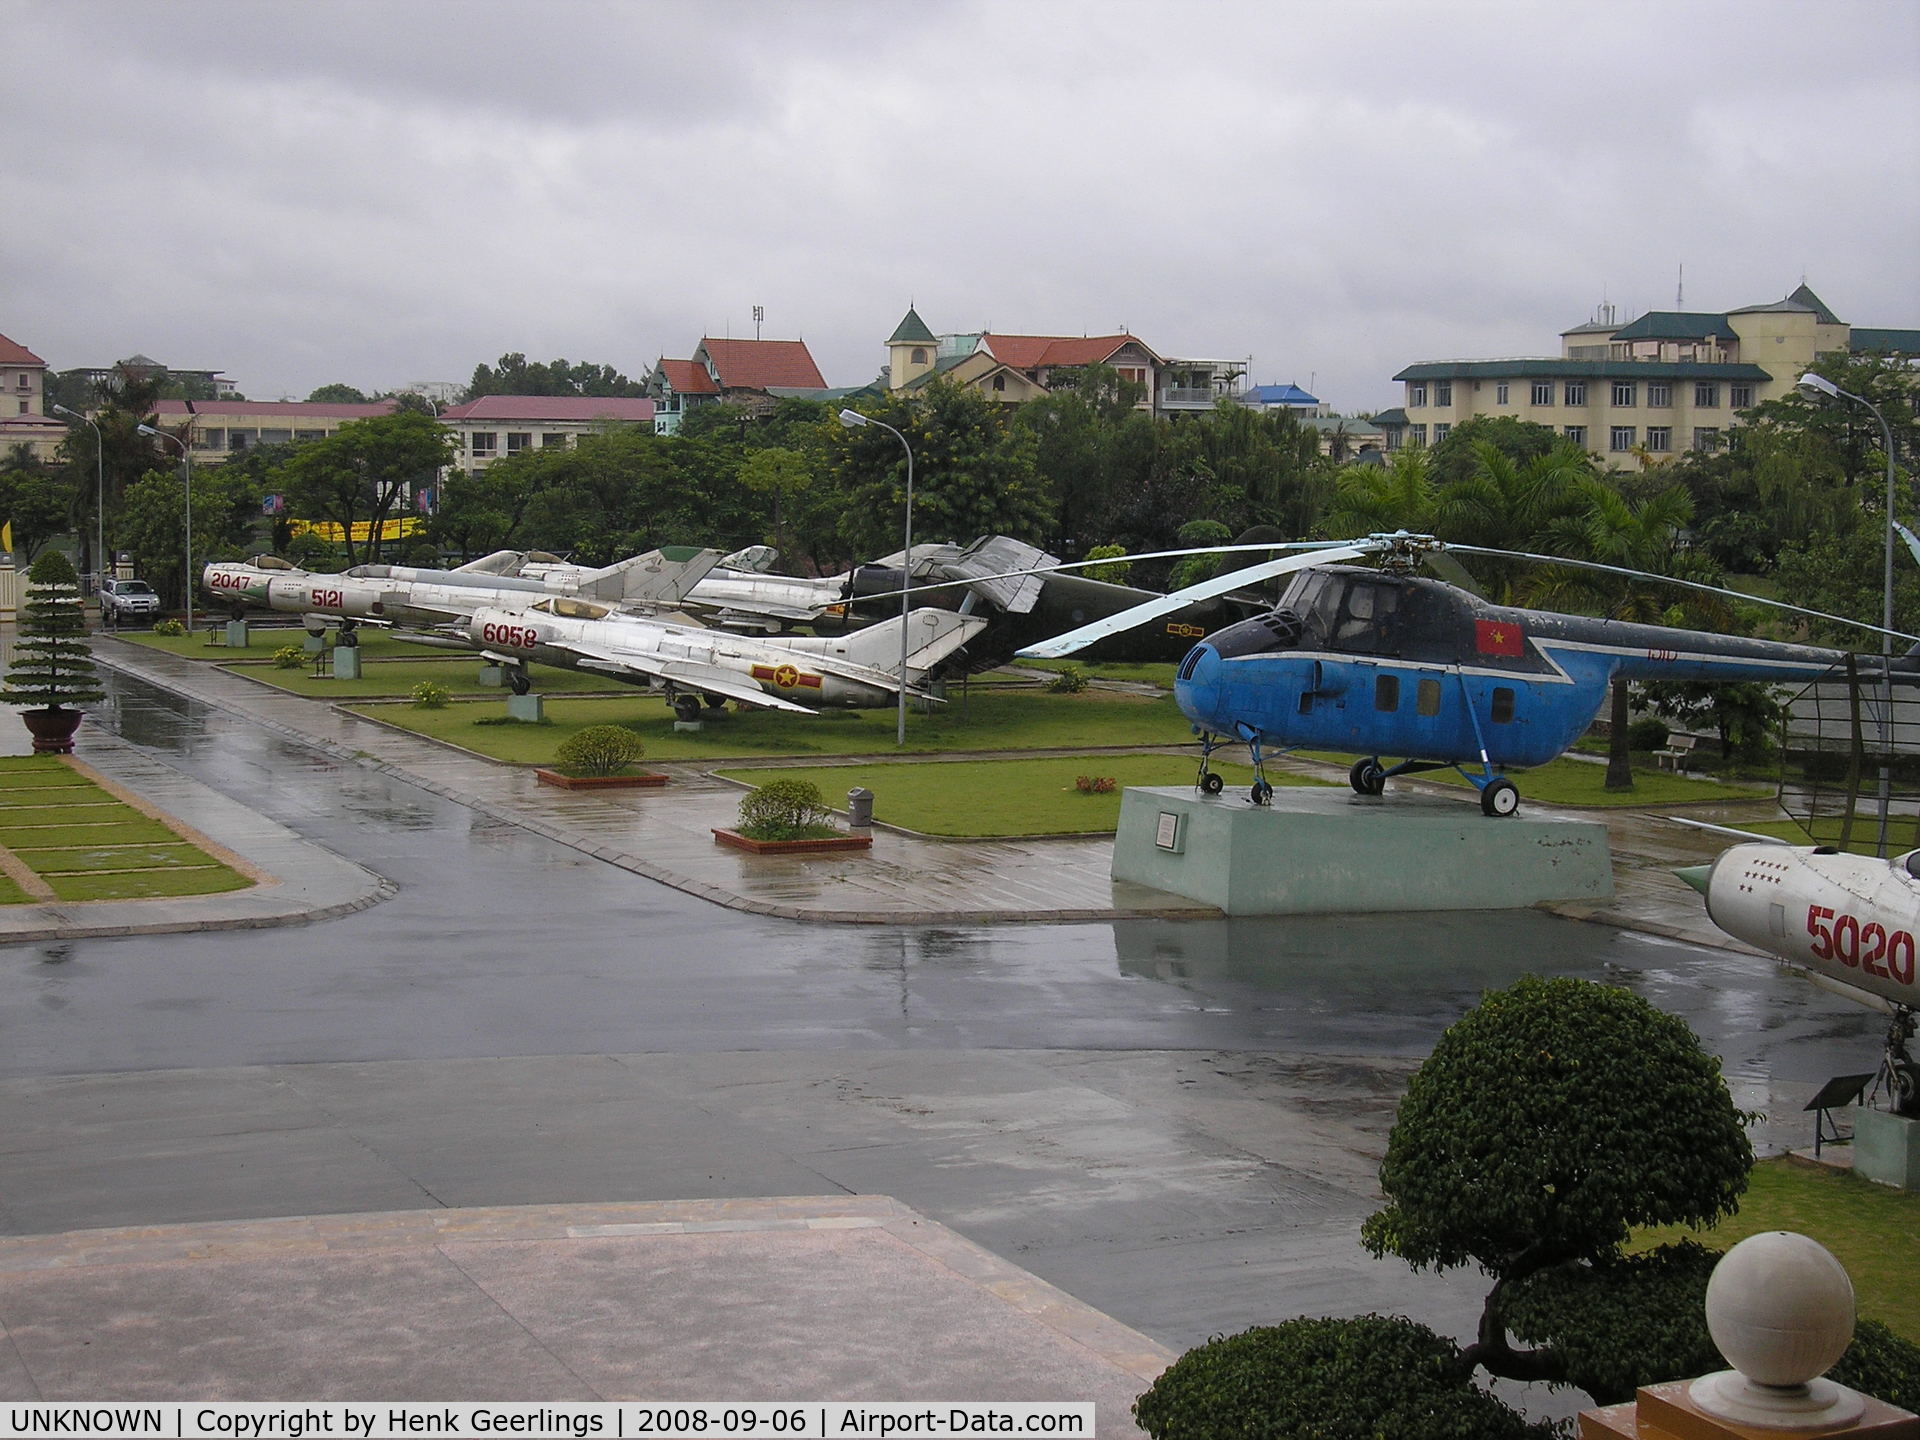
(860, 808)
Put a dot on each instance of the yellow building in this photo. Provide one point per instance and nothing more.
(23, 411)
(1666, 382)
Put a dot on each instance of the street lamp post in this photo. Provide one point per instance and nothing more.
(853, 419)
(1818, 387)
(186, 461)
(100, 492)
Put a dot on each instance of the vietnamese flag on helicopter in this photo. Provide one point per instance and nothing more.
(1498, 637)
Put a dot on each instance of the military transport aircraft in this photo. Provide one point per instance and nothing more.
(1849, 920)
(686, 663)
(1385, 662)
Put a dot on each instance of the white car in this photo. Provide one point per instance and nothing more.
(125, 600)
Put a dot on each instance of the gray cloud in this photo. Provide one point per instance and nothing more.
(380, 193)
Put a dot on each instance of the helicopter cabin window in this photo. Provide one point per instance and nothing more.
(1426, 697)
(1386, 692)
(1365, 612)
(1502, 705)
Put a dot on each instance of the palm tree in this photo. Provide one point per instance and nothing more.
(1508, 505)
(1605, 527)
(1396, 496)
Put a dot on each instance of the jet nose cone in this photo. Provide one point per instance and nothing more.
(1696, 876)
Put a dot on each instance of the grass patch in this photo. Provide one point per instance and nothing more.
(1870, 1229)
(394, 678)
(129, 828)
(1006, 797)
(1866, 831)
(993, 720)
(56, 819)
(213, 879)
(1579, 782)
(1160, 674)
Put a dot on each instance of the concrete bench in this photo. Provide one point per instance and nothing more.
(1679, 750)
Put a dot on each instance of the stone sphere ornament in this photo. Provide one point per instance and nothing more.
(1780, 1308)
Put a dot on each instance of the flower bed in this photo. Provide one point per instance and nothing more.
(792, 847)
(644, 779)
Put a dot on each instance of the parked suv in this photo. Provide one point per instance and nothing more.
(125, 600)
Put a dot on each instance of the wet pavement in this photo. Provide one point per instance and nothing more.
(1174, 1121)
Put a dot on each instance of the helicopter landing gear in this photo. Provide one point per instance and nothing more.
(1500, 797)
(1211, 784)
(1206, 782)
(1261, 794)
(1367, 777)
(518, 681)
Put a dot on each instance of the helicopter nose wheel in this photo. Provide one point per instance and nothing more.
(1368, 777)
(1501, 797)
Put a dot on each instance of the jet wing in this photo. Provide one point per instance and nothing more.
(689, 674)
(1079, 639)
(996, 564)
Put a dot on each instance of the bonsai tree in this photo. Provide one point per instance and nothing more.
(1550, 1121)
(52, 667)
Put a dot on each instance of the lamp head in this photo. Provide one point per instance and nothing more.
(853, 419)
(1817, 387)
(59, 409)
(146, 430)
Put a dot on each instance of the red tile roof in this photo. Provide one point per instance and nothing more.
(687, 378)
(571, 409)
(289, 410)
(763, 364)
(1034, 352)
(16, 354)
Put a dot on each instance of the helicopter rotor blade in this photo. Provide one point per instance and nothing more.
(1452, 571)
(1685, 585)
(1085, 635)
(1913, 540)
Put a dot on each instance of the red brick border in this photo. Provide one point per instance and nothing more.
(791, 847)
(644, 780)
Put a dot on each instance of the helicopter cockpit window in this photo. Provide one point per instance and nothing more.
(1365, 615)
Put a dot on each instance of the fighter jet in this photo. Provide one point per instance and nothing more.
(415, 598)
(687, 664)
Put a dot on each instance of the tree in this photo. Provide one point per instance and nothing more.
(153, 522)
(1368, 499)
(783, 477)
(52, 665)
(1549, 1122)
(336, 394)
(36, 498)
(365, 473)
(1461, 454)
(513, 375)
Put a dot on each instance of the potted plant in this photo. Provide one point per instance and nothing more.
(52, 669)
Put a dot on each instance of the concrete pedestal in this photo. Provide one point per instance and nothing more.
(1886, 1148)
(237, 634)
(493, 677)
(530, 708)
(313, 644)
(346, 662)
(1324, 851)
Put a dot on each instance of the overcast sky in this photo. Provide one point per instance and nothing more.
(303, 191)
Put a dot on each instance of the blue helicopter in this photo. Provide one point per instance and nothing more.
(1389, 663)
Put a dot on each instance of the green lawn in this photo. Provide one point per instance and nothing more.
(1005, 797)
(395, 676)
(986, 720)
(1579, 782)
(1160, 674)
(376, 643)
(54, 820)
(1866, 832)
(1870, 1228)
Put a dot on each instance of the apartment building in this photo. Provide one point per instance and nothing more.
(497, 425)
(23, 409)
(1665, 382)
(228, 427)
(750, 373)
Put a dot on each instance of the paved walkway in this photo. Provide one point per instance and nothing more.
(667, 836)
(818, 1298)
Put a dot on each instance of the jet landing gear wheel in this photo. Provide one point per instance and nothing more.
(518, 682)
(1211, 784)
(1501, 797)
(1367, 777)
(686, 707)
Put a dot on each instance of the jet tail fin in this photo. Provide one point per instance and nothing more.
(649, 577)
(932, 635)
